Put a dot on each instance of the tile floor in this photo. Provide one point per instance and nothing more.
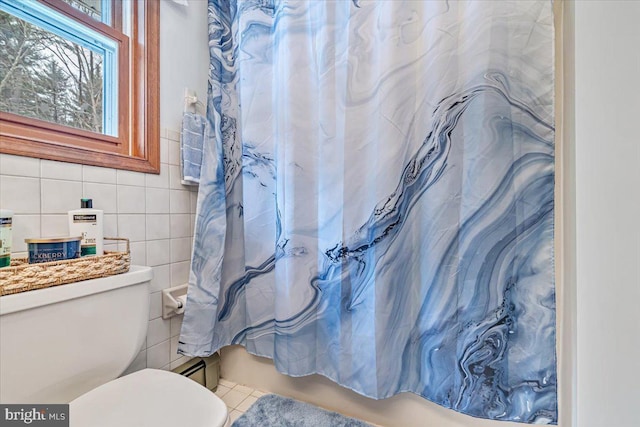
(237, 397)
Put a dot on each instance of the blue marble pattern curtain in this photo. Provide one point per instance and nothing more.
(377, 198)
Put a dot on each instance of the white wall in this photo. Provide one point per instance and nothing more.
(607, 119)
(154, 211)
(184, 57)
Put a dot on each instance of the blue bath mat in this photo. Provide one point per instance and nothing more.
(272, 410)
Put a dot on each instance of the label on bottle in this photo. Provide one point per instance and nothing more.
(88, 246)
(88, 250)
(5, 241)
(89, 223)
(85, 218)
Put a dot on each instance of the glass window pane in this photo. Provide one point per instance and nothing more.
(47, 77)
(97, 9)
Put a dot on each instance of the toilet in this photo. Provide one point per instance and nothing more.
(70, 343)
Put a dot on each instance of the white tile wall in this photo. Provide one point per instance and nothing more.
(156, 218)
(158, 252)
(60, 170)
(159, 355)
(159, 331)
(159, 181)
(157, 200)
(180, 225)
(104, 196)
(192, 223)
(54, 225)
(96, 174)
(132, 226)
(140, 362)
(161, 278)
(174, 177)
(179, 273)
(138, 253)
(174, 152)
(179, 202)
(194, 201)
(24, 226)
(164, 147)
(20, 193)
(20, 166)
(158, 226)
(131, 199)
(110, 225)
(176, 324)
(59, 196)
(129, 178)
(174, 347)
(181, 249)
(155, 305)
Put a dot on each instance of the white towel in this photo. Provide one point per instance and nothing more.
(191, 142)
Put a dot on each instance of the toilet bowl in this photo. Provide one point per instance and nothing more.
(149, 398)
(70, 343)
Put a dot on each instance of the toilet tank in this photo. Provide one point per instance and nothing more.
(60, 342)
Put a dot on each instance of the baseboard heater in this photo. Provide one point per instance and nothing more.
(203, 370)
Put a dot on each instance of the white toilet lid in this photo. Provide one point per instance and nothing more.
(148, 398)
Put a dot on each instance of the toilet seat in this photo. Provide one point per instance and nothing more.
(149, 398)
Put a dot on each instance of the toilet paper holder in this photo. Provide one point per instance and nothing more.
(173, 301)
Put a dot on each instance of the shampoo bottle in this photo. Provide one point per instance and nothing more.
(6, 217)
(88, 223)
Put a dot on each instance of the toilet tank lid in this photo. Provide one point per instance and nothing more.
(41, 297)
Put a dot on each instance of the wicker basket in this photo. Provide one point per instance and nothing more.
(21, 276)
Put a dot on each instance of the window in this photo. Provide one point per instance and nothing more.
(79, 81)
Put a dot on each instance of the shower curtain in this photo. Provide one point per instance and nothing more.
(376, 201)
